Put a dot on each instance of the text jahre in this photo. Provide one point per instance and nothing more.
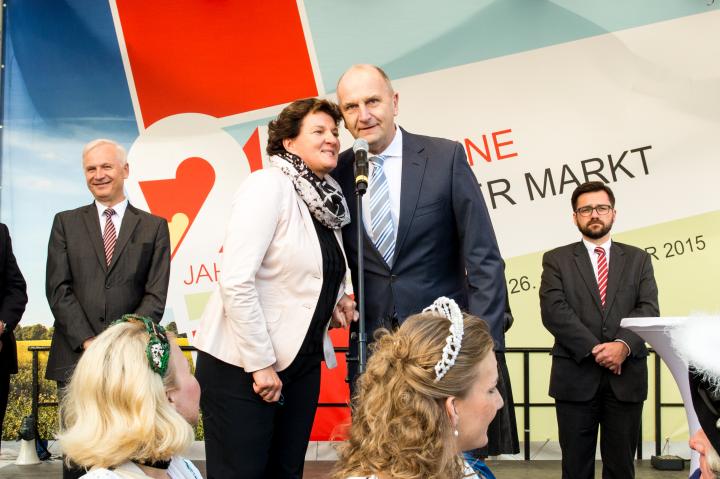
(202, 273)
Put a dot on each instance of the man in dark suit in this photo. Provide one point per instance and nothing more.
(599, 371)
(13, 298)
(104, 260)
(427, 231)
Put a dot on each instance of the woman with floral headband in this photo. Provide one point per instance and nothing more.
(129, 405)
(429, 393)
(264, 332)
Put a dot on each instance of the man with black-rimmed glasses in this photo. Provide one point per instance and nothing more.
(599, 371)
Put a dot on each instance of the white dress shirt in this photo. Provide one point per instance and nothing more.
(594, 256)
(116, 218)
(393, 173)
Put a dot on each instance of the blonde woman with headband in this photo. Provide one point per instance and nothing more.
(129, 405)
(429, 393)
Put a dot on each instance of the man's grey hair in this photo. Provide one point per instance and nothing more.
(121, 154)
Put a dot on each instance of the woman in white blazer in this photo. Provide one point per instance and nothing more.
(264, 332)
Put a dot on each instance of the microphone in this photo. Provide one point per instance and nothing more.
(360, 148)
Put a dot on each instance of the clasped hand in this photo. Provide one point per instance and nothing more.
(267, 384)
(345, 311)
(611, 355)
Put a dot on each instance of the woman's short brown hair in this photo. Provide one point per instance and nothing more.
(288, 122)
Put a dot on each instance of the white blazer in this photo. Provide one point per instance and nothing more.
(270, 279)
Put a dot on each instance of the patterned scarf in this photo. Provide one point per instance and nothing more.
(323, 198)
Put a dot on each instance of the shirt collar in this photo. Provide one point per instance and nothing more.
(119, 207)
(591, 246)
(394, 149)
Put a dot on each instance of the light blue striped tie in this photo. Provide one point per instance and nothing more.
(381, 224)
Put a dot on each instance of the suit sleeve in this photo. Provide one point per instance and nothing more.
(69, 315)
(14, 296)
(558, 316)
(646, 304)
(156, 286)
(484, 266)
(256, 211)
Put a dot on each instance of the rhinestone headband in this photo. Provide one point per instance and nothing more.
(448, 308)
(158, 348)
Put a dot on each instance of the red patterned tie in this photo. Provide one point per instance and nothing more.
(109, 237)
(602, 275)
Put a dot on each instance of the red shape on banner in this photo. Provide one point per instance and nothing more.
(218, 58)
(331, 422)
(252, 151)
(339, 337)
(184, 195)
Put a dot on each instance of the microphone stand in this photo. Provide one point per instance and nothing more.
(361, 184)
(360, 292)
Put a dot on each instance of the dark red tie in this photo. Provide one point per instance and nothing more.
(602, 275)
(109, 237)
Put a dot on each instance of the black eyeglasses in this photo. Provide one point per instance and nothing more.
(602, 210)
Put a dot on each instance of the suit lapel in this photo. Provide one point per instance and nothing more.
(413, 171)
(370, 244)
(615, 271)
(127, 227)
(92, 224)
(584, 266)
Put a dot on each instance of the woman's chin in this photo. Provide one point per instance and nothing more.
(477, 443)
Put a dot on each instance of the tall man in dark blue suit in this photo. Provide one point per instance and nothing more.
(427, 229)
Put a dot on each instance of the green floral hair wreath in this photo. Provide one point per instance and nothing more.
(158, 348)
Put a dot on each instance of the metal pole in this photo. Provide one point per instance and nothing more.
(526, 403)
(35, 387)
(360, 292)
(658, 415)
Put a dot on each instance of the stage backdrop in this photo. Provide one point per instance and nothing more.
(543, 94)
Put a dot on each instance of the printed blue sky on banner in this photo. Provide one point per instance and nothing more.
(411, 37)
(64, 85)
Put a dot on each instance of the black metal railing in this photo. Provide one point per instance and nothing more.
(525, 404)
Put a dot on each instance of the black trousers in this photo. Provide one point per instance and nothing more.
(619, 424)
(248, 438)
(4, 393)
(68, 472)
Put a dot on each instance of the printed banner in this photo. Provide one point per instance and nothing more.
(543, 96)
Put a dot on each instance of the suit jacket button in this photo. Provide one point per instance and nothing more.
(393, 278)
(107, 286)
